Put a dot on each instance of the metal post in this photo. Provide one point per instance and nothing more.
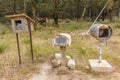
(31, 46)
(100, 54)
(18, 48)
(101, 49)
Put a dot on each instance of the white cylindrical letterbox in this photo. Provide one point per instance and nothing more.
(101, 32)
(62, 39)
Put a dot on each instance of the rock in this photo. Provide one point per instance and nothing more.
(56, 63)
(87, 67)
(58, 56)
(63, 70)
(68, 57)
(71, 64)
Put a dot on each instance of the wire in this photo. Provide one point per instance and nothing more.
(96, 18)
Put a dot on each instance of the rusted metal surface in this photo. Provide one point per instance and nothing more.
(17, 38)
(31, 46)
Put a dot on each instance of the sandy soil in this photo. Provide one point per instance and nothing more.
(48, 73)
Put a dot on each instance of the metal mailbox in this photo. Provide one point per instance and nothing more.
(101, 32)
(62, 39)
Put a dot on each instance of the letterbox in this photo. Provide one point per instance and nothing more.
(101, 32)
(62, 39)
(20, 22)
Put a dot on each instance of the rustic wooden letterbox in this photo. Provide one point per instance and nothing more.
(20, 23)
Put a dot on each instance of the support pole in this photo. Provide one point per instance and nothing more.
(63, 50)
(18, 48)
(100, 51)
(31, 46)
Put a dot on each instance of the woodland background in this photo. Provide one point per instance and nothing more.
(60, 9)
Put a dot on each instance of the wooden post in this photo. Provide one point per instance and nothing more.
(18, 48)
(31, 46)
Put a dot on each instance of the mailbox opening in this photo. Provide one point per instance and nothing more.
(61, 41)
(103, 33)
(18, 24)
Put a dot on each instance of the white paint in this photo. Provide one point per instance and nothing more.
(71, 64)
(44, 72)
(59, 56)
(104, 66)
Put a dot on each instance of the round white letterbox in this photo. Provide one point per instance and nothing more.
(101, 32)
(62, 39)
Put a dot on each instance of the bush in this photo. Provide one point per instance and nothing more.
(3, 47)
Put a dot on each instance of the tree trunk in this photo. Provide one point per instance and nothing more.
(119, 9)
(110, 15)
(83, 14)
(119, 13)
(78, 10)
(14, 7)
(55, 17)
(34, 9)
(34, 12)
(55, 13)
(24, 6)
(84, 10)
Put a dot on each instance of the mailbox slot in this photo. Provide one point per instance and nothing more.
(18, 24)
(62, 39)
(103, 33)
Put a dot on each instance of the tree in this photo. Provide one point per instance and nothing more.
(55, 12)
(78, 9)
(85, 4)
(119, 9)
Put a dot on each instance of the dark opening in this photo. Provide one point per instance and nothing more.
(103, 33)
(18, 24)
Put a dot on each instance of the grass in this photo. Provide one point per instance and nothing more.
(26, 40)
(80, 49)
(3, 47)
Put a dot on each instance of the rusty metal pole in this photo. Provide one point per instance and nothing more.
(31, 46)
(18, 48)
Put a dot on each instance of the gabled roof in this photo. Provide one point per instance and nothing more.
(20, 15)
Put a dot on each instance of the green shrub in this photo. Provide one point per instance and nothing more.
(3, 47)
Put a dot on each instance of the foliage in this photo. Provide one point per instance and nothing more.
(59, 9)
(3, 47)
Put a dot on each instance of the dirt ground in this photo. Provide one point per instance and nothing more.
(46, 72)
